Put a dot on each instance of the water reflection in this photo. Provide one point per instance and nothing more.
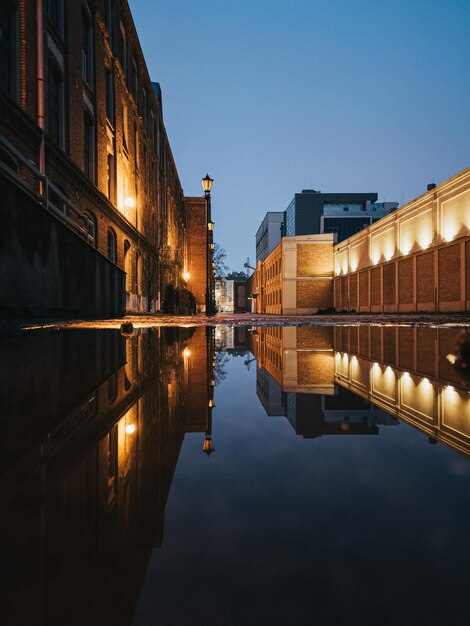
(92, 426)
(350, 380)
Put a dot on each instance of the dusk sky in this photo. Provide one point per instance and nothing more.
(271, 97)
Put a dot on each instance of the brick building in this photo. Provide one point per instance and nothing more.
(81, 126)
(297, 277)
(415, 259)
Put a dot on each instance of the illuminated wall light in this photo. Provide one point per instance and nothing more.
(186, 353)
(130, 429)
(186, 276)
(129, 202)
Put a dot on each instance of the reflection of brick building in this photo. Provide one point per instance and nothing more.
(406, 372)
(295, 379)
(110, 171)
(88, 457)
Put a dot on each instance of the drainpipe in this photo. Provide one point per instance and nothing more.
(40, 78)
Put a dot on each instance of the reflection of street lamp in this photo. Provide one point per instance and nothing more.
(207, 186)
(208, 445)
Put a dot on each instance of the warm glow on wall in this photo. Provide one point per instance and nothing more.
(383, 245)
(129, 202)
(186, 276)
(130, 429)
(455, 216)
(186, 353)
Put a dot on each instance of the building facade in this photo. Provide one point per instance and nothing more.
(415, 259)
(82, 128)
(343, 214)
(313, 212)
(296, 278)
(269, 234)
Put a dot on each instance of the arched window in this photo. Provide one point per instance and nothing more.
(90, 228)
(111, 245)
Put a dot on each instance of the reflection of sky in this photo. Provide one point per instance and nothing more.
(276, 529)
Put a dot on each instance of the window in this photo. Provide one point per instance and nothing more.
(111, 179)
(88, 147)
(111, 245)
(151, 126)
(87, 48)
(128, 266)
(122, 48)
(110, 97)
(55, 104)
(125, 128)
(143, 107)
(9, 67)
(133, 78)
(108, 18)
(90, 229)
(136, 148)
(55, 13)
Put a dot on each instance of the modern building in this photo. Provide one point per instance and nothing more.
(313, 212)
(85, 153)
(269, 234)
(344, 214)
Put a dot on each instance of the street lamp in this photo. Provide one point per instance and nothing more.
(207, 186)
(210, 304)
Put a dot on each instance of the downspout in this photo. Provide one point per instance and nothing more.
(40, 79)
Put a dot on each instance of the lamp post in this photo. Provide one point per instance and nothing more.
(207, 186)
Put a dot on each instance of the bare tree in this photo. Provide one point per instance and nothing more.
(151, 263)
(219, 259)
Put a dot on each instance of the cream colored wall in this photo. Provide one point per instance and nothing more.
(439, 409)
(439, 216)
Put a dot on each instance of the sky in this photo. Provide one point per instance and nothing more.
(274, 96)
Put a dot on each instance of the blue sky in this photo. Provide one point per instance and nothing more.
(271, 97)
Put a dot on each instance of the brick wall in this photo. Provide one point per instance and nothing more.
(314, 259)
(317, 293)
(196, 248)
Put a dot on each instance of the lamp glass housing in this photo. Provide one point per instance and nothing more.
(207, 183)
